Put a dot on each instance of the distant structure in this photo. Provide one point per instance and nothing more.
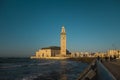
(63, 42)
(113, 53)
(54, 51)
(51, 51)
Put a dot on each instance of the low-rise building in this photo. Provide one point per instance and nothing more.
(82, 54)
(48, 52)
(52, 51)
(113, 53)
(100, 54)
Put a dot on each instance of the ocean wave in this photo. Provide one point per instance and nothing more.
(45, 63)
(40, 70)
(6, 66)
(9, 66)
(45, 76)
(30, 77)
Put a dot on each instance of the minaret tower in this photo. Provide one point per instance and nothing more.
(63, 42)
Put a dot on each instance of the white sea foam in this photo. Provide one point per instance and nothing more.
(9, 66)
(5, 66)
(46, 69)
(45, 63)
(30, 77)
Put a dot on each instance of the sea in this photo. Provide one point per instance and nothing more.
(40, 69)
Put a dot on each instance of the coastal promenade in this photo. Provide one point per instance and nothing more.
(102, 70)
(113, 67)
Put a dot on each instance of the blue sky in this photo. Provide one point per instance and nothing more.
(28, 25)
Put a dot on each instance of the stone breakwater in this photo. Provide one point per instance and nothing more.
(89, 73)
(50, 58)
(97, 71)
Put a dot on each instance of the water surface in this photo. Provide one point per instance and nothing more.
(32, 69)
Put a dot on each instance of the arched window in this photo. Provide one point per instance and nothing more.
(42, 54)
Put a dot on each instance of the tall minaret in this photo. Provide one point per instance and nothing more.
(63, 42)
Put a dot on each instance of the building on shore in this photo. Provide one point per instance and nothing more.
(54, 51)
(59, 52)
(82, 54)
(51, 51)
(100, 54)
(63, 42)
(109, 53)
(113, 53)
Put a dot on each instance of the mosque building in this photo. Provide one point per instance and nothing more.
(54, 51)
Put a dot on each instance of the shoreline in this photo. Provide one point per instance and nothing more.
(82, 59)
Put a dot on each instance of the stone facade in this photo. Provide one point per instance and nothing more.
(48, 52)
(63, 42)
(54, 51)
(113, 53)
(100, 54)
(82, 54)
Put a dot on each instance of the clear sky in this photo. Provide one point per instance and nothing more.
(28, 25)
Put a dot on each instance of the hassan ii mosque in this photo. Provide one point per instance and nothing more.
(54, 52)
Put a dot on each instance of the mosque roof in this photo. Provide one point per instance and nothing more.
(52, 47)
(55, 48)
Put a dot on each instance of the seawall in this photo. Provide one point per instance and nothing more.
(89, 73)
(96, 71)
(50, 58)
